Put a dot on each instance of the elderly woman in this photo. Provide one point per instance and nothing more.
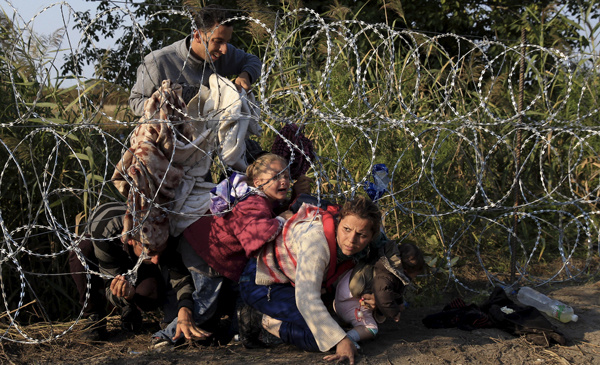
(284, 282)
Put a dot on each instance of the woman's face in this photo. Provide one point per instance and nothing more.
(354, 234)
(274, 182)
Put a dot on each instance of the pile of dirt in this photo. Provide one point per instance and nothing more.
(406, 342)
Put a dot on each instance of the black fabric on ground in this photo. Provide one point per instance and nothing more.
(523, 321)
(467, 317)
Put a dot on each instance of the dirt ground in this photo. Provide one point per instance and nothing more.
(408, 342)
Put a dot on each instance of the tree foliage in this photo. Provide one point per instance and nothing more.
(545, 22)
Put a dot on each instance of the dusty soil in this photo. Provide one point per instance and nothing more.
(408, 342)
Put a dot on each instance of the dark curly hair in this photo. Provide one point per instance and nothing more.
(211, 15)
(412, 258)
(363, 208)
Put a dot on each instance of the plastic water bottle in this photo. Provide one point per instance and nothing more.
(551, 307)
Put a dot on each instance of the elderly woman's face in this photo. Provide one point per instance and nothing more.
(354, 234)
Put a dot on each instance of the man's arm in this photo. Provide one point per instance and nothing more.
(179, 278)
(113, 261)
(181, 281)
(236, 62)
(143, 88)
(243, 81)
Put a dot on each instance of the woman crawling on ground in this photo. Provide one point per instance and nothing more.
(283, 285)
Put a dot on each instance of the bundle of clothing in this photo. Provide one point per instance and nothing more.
(501, 312)
(163, 172)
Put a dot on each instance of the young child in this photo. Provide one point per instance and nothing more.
(216, 247)
(385, 278)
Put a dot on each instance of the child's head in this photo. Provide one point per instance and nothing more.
(389, 293)
(269, 173)
(412, 260)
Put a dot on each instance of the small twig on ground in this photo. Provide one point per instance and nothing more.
(589, 344)
(561, 359)
(579, 348)
(102, 353)
(590, 350)
(570, 348)
(186, 344)
(233, 352)
(18, 309)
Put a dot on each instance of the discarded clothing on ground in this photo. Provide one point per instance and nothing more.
(498, 312)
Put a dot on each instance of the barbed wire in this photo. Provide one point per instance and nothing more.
(439, 110)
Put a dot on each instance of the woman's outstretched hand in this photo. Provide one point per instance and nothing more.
(344, 350)
(287, 214)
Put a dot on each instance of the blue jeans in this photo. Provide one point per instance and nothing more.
(277, 301)
(206, 293)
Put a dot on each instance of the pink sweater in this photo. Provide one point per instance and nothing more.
(225, 243)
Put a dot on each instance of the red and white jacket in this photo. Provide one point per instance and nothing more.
(305, 255)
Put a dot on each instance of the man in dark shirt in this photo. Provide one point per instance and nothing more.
(130, 285)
